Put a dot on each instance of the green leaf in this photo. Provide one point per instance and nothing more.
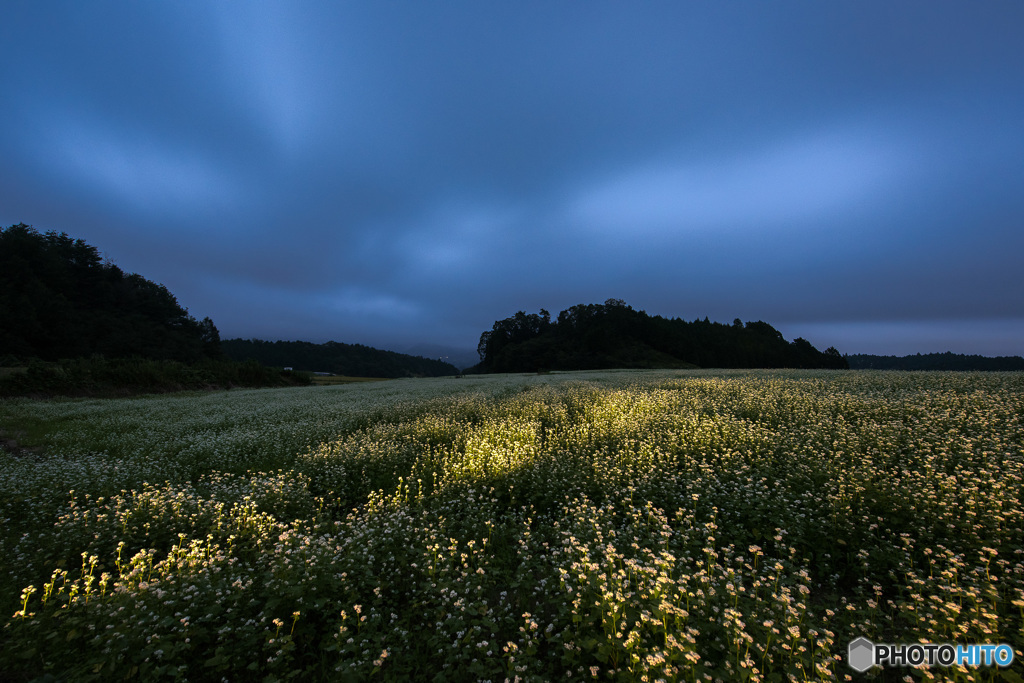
(215, 660)
(1010, 676)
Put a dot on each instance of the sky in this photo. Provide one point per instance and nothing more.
(405, 173)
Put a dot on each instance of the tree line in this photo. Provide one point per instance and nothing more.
(354, 360)
(74, 324)
(60, 299)
(935, 361)
(80, 324)
(614, 335)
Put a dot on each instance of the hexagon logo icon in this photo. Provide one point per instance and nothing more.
(861, 654)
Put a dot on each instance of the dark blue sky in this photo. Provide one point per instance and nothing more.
(393, 173)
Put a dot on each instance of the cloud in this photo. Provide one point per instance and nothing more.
(288, 70)
(343, 312)
(779, 186)
(453, 238)
(136, 168)
(1000, 336)
(359, 301)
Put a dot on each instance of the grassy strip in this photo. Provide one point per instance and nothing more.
(331, 380)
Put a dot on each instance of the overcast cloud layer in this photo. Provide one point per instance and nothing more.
(393, 173)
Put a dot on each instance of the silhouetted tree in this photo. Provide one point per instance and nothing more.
(59, 299)
(514, 330)
(613, 334)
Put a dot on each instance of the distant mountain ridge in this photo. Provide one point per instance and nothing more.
(613, 335)
(459, 357)
(934, 361)
(354, 360)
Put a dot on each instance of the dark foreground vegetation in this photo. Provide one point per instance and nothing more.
(935, 361)
(613, 335)
(354, 360)
(129, 376)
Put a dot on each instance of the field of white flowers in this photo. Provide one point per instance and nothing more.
(628, 526)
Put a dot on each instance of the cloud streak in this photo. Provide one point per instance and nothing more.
(791, 184)
(137, 170)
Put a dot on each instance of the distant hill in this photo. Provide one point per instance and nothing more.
(354, 360)
(459, 357)
(934, 361)
(60, 299)
(613, 335)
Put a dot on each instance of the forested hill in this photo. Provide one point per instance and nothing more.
(613, 335)
(934, 361)
(59, 299)
(354, 360)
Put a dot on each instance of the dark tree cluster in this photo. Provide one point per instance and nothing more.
(60, 299)
(614, 335)
(935, 361)
(107, 377)
(354, 360)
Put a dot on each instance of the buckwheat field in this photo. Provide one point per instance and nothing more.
(626, 526)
